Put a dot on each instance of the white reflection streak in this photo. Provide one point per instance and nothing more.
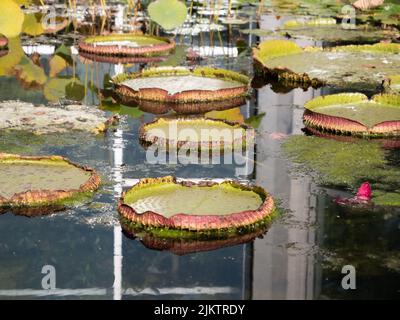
(118, 150)
(129, 292)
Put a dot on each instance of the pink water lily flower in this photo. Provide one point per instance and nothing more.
(364, 196)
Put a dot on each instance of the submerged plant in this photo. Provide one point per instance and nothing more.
(346, 164)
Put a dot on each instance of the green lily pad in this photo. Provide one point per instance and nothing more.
(190, 209)
(42, 181)
(197, 133)
(328, 30)
(352, 67)
(381, 115)
(169, 14)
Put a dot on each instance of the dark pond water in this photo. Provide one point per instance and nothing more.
(300, 257)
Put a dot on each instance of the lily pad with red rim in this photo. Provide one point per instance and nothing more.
(184, 209)
(125, 45)
(354, 114)
(28, 182)
(357, 67)
(181, 85)
(196, 133)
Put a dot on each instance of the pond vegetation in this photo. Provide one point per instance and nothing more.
(314, 84)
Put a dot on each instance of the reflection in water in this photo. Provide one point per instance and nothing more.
(300, 257)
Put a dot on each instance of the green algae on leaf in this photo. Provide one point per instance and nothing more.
(346, 164)
(360, 67)
(192, 208)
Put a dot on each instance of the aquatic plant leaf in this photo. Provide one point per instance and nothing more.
(56, 88)
(231, 115)
(255, 121)
(336, 33)
(207, 207)
(57, 64)
(181, 85)
(30, 73)
(33, 24)
(367, 4)
(11, 18)
(109, 105)
(196, 133)
(169, 14)
(42, 181)
(75, 90)
(348, 113)
(125, 47)
(352, 67)
(13, 57)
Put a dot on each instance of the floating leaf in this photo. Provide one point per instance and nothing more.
(367, 4)
(8, 62)
(11, 18)
(169, 14)
(75, 90)
(30, 73)
(57, 64)
(58, 88)
(232, 115)
(255, 121)
(33, 24)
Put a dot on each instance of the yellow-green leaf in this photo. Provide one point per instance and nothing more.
(169, 14)
(11, 18)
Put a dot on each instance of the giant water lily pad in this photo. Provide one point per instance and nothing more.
(328, 30)
(351, 67)
(184, 209)
(50, 119)
(181, 85)
(196, 133)
(42, 181)
(126, 45)
(354, 114)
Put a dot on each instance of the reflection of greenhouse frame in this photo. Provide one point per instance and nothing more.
(196, 95)
(47, 198)
(314, 119)
(90, 45)
(189, 226)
